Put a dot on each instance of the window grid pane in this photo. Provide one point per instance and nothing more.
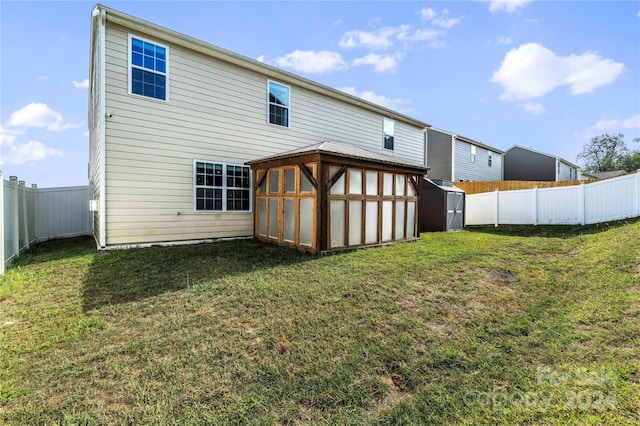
(212, 185)
(278, 104)
(148, 69)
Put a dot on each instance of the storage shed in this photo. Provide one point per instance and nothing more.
(441, 206)
(331, 196)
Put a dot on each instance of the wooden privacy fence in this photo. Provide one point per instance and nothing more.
(601, 201)
(31, 214)
(471, 188)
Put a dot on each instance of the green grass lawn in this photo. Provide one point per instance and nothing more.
(536, 325)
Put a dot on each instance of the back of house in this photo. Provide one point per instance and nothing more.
(172, 121)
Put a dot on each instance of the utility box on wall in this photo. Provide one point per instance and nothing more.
(441, 206)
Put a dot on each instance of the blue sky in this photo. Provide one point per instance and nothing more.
(549, 75)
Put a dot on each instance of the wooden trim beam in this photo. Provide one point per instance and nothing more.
(336, 177)
(309, 174)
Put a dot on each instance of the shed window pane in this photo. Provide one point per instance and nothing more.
(274, 181)
(401, 183)
(337, 223)
(399, 220)
(411, 190)
(338, 187)
(273, 217)
(262, 216)
(371, 231)
(290, 180)
(305, 183)
(306, 221)
(289, 220)
(355, 223)
(355, 181)
(411, 219)
(372, 183)
(387, 188)
(387, 221)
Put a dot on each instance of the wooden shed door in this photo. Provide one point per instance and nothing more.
(455, 210)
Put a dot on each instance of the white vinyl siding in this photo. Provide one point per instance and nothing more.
(217, 110)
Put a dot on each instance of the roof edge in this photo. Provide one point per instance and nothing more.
(545, 154)
(269, 71)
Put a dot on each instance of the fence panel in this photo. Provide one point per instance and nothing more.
(612, 199)
(559, 206)
(30, 215)
(63, 212)
(481, 210)
(516, 207)
(606, 200)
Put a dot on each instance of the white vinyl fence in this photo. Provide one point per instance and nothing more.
(602, 201)
(30, 215)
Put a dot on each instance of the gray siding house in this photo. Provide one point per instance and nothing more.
(522, 163)
(455, 158)
(173, 120)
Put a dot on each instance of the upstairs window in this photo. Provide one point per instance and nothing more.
(221, 187)
(389, 128)
(278, 104)
(148, 65)
(473, 153)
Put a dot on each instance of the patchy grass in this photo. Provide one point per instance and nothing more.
(515, 325)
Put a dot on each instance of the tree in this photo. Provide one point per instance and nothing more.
(603, 153)
(631, 161)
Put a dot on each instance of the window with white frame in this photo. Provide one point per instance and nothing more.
(278, 104)
(221, 186)
(473, 153)
(389, 128)
(490, 159)
(148, 68)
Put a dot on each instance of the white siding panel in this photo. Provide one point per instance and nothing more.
(216, 111)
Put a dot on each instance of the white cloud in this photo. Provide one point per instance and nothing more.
(16, 153)
(309, 61)
(39, 115)
(531, 71)
(508, 6)
(382, 38)
(442, 21)
(504, 40)
(632, 122)
(398, 104)
(84, 84)
(427, 14)
(534, 108)
(381, 63)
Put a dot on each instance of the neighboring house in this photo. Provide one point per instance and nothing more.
(172, 121)
(603, 175)
(455, 158)
(522, 163)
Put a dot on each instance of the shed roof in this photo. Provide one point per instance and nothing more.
(445, 187)
(343, 151)
(219, 53)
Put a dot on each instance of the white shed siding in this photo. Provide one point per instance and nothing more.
(216, 111)
(479, 170)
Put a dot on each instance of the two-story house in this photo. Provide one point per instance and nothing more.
(456, 158)
(173, 120)
(522, 163)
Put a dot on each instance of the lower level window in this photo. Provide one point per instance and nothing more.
(221, 187)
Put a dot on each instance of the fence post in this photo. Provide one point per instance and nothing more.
(497, 207)
(581, 205)
(25, 216)
(16, 216)
(35, 208)
(1, 224)
(638, 192)
(534, 194)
